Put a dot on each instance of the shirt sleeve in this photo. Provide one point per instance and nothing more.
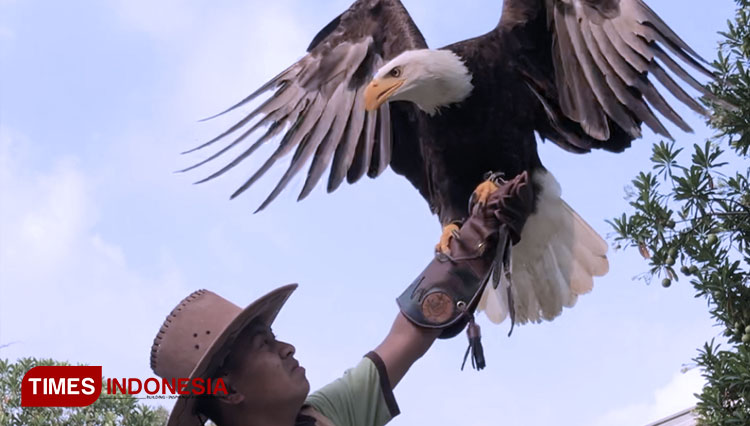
(361, 397)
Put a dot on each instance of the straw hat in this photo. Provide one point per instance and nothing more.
(190, 342)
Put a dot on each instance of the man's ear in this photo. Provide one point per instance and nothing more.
(233, 397)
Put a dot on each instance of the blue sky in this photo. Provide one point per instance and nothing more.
(99, 239)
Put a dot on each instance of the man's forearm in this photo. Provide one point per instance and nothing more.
(403, 345)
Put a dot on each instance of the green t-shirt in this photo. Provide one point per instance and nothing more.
(361, 397)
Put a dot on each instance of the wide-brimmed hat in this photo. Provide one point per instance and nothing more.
(190, 342)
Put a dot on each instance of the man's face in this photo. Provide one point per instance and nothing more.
(264, 370)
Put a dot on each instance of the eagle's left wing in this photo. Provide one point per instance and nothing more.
(605, 57)
(592, 65)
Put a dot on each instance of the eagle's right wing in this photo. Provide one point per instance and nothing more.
(317, 103)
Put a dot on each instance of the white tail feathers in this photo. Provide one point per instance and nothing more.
(555, 261)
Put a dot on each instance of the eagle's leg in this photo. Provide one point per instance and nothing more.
(480, 195)
(483, 190)
(449, 231)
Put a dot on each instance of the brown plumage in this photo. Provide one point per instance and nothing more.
(578, 72)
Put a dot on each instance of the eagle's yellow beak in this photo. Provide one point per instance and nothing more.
(379, 90)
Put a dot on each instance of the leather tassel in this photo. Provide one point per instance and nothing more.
(475, 346)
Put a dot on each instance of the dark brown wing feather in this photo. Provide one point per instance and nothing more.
(592, 65)
(317, 103)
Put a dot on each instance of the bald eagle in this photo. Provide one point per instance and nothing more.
(369, 93)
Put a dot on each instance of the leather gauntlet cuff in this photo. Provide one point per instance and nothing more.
(443, 304)
(445, 295)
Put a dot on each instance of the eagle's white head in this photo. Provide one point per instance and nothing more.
(429, 78)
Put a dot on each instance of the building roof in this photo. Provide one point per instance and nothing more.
(683, 418)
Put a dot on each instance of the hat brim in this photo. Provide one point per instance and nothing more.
(266, 309)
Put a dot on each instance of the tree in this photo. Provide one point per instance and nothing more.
(123, 410)
(692, 215)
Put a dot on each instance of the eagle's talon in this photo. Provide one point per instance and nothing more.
(498, 178)
(449, 231)
(484, 190)
(475, 201)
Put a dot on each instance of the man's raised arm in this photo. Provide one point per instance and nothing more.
(443, 298)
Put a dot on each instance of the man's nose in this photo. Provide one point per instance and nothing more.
(286, 349)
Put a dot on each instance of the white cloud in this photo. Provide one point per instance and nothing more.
(230, 56)
(673, 397)
(65, 291)
(163, 20)
(215, 60)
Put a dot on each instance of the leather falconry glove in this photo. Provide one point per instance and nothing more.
(445, 295)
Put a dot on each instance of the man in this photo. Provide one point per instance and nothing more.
(206, 336)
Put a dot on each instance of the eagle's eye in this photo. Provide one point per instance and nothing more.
(395, 72)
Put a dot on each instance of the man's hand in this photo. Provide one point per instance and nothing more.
(441, 301)
(446, 293)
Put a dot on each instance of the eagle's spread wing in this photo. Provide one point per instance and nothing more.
(317, 102)
(605, 56)
(592, 65)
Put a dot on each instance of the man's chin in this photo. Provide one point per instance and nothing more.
(307, 383)
(304, 389)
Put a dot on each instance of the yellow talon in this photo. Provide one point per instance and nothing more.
(449, 232)
(483, 192)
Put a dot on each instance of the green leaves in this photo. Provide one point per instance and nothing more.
(693, 216)
(104, 412)
(724, 400)
(692, 212)
(664, 158)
